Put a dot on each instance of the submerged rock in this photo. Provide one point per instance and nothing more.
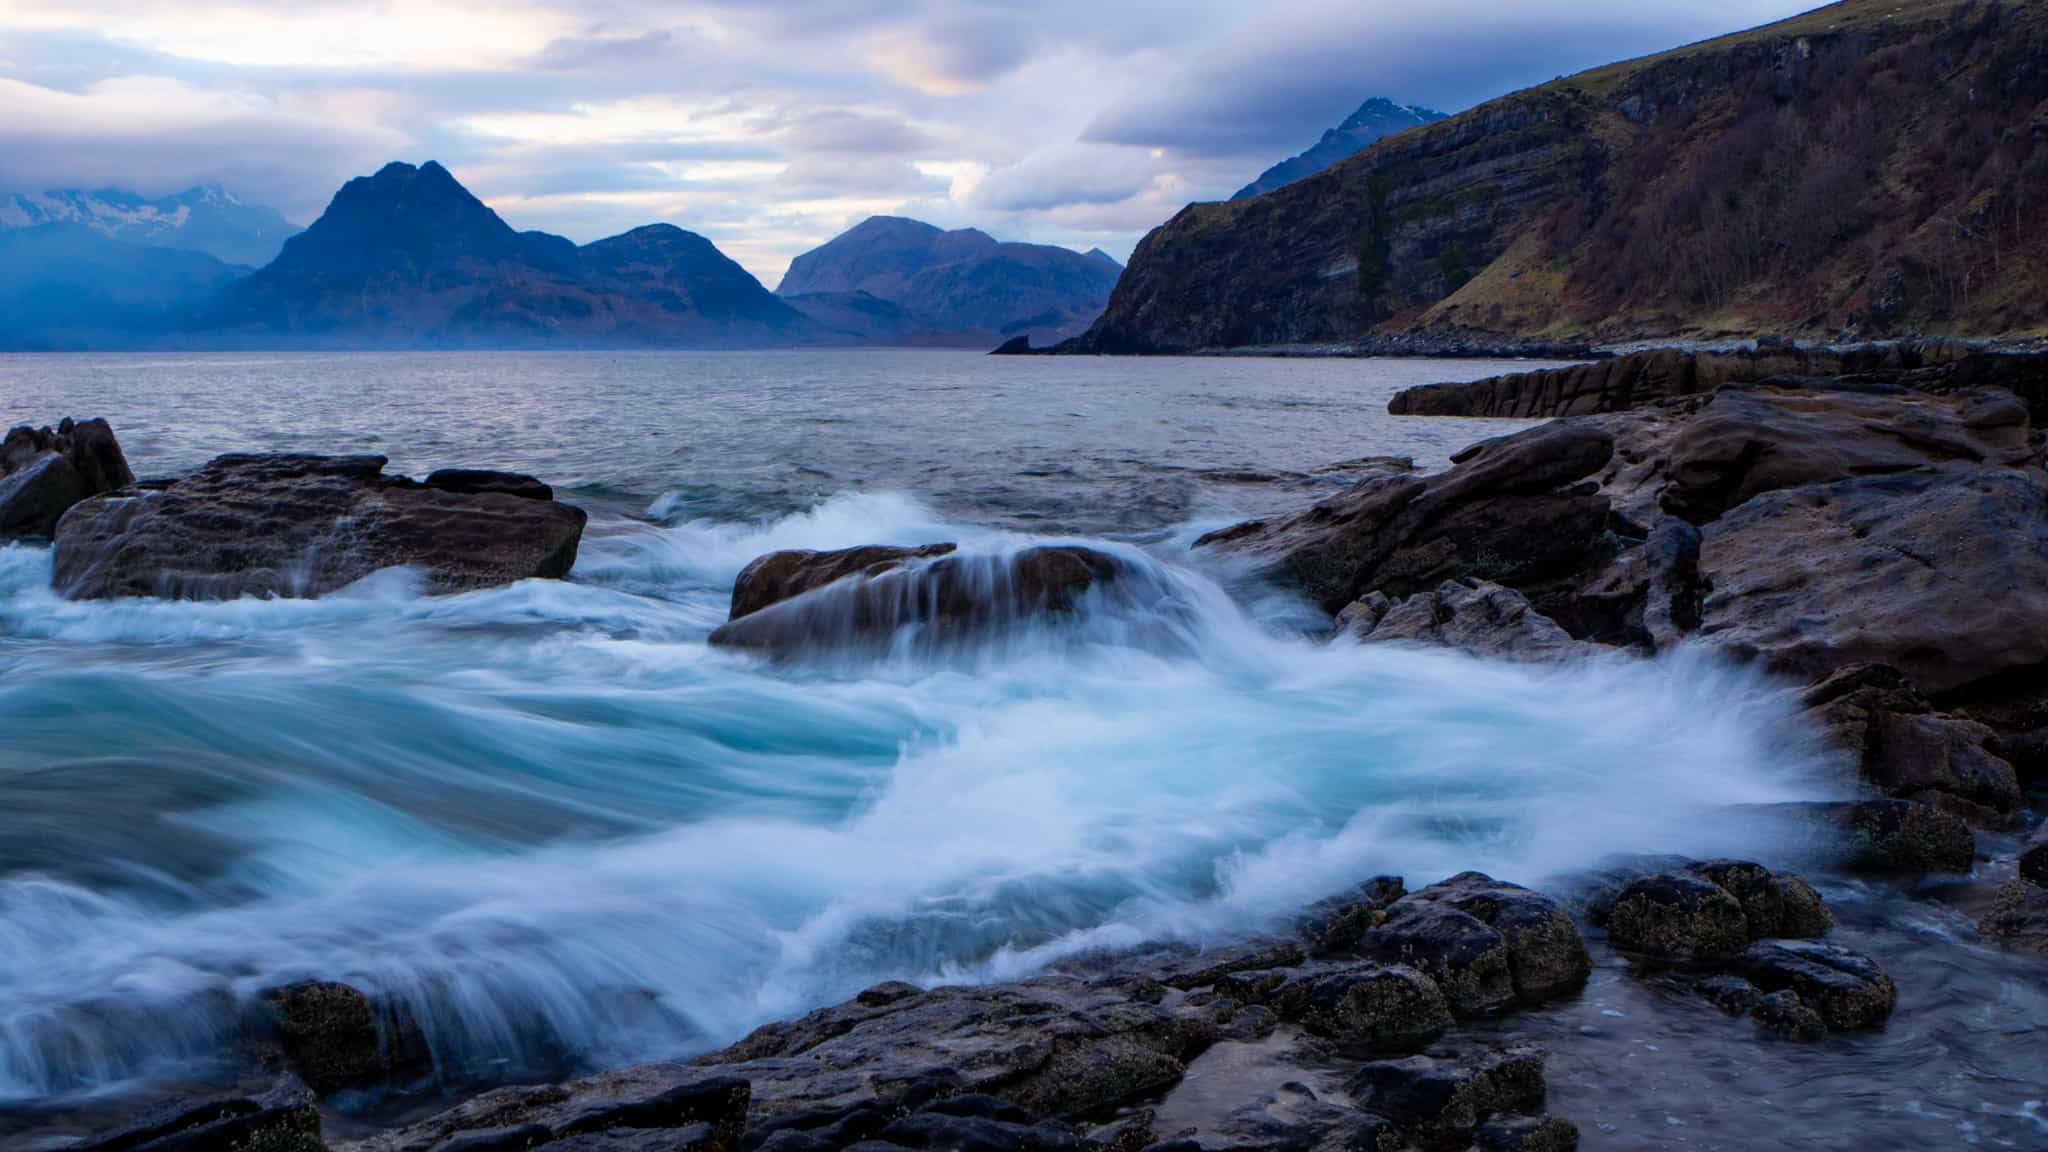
(337, 1038)
(44, 472)
(294, 525)
(2018, 916)
(800, 600)
(1846, 988)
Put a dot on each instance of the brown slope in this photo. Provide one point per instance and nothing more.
(1875, 168)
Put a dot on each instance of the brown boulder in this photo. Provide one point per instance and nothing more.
(295, 525)
(44, 472)
(863, 596)
(336, 1038)
(1902, 745)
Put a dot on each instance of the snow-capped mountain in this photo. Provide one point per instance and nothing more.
(205, 219)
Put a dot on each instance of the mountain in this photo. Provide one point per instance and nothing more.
(65, 286)
(958, 286)
(408, 257)
(205, 219)
(1868, 169)
(1375, 119)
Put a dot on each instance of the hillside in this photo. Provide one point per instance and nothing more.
(66, 286)
(946, 284)
(408, 257)
(1866, 169)
(1376, 119)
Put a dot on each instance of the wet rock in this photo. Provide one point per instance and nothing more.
(1941, 575)
(1614, 384)
(1647, 598)
(284, 1119)
(2033, 861)
(1773, 904)
(1785, 1015)
(1528, 1134)
(336, 1038)
(1209, 967)
(1731, 994)
(1510, 512)
(1478, 617)
(1902, 745)
(780, 576)
(947, 595)
(1676, 916)
(1466, 958)
(1750, 441)
(1547, 955)
(295, 525)
(1846, 988)
(2018, 916)
(1337, 925)
(45, 471)
(1390, 1008)
(470, 481)
(1887, 835)
(952, 1132)
(678, 1107)
(1438, 1102)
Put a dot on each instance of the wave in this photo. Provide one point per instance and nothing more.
(565, 831)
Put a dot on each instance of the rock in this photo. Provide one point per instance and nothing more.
(949, 595)
(1648, 598)
(294, 525)
(1337, 925)
(952, 1132)
(1748, 442)
(1611, 385)
(1014, 346)
(284, 1119)
(1528, 1134)
(335, 1038)
(1547, 955)
(1943, 575)
(780, 576)
(709, 1109)
(44, 471)
(1391, 1008)
(2018, 916)
(1846, 988)
(1896, 835)
(1773, 904)
(1675, 916)
(1468, 959)
(1507, 513)
(1784, 1014)
(1439, 1101)
(1906, 748)
(2033, 862)
(1481, 618)
(1732, 994)
(470, 481)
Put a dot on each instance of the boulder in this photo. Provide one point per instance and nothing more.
(1478, 617)
(2018, 916)
(1467, 958)
(1547, 956)
(1942, 575)
(1783, 1014)
(1750, 441)
(1903, 746)
(1846, 988)
(1438, 1102)
(1773, 904)
(1511, 511)
(336, 1038)
(1892, 835)
(295, 525)
(284, 1119)
(876, 592)
(1528, 1134)
(1678, 916)
(45, 471)
(1374, 1008)
(2033, 862)
(686, 1109)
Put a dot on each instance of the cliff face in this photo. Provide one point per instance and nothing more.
(1868, 168)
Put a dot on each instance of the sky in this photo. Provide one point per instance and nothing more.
(772, 125)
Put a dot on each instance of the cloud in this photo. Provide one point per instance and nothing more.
(956, 54)
(1072, 174)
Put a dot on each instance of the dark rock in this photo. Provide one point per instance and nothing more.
(336, 1038)
(945, 1132)
(1015, 346)
(284, 1119)
(1902, 745)
(1897, 835)
(1528, 1134)
(1508, 513)
(1480, 618)
(1390, 1008)
(780, 576)
(2018, 916)
(1468, 959)
(1616, 384)
(1337, 925)
(948, 596)
(303, 526)
(1784, 1014)
(696, 1110)
(1674, 916)
(1546, 954)
(1732, 994)
(2033, 862)
(1773, 904)
(473, 480)
(1208, 968)
(1439, 1102)
(1847, 988)
(44, 471)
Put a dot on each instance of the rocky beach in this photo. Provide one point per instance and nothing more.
(1867, 528)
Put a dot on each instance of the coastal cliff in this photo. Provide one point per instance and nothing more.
(1869, 169)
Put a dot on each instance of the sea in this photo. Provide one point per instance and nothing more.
(569, 835)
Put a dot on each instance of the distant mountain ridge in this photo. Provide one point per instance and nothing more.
(1375, 120)
(205, 219)
(68, 286)
(409, 257)
(891, 279)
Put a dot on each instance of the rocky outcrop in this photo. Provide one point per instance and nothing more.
(653, 1106)
(293, 525)
(1481, 618)
(283, 1119)
(1907, 748)
(336, 1038)
(1511, 512)
(791, 601)
(44, 471)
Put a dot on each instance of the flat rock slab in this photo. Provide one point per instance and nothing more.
(296, 525)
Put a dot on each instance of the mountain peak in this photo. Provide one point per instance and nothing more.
(204, 218)
(1374, 120)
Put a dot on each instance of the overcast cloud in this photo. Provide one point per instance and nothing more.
(769, 126)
